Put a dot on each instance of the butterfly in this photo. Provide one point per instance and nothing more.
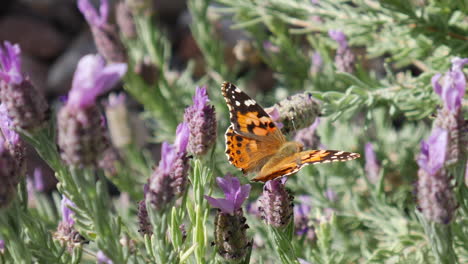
(255, 144)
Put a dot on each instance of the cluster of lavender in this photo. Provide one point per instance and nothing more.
(446, 146)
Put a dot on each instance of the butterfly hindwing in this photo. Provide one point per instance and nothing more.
(294, 163)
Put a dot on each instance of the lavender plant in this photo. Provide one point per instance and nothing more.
(386, 79)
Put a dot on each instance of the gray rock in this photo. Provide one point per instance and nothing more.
(61, 72)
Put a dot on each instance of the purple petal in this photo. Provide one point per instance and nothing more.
(10, 135)
(67, 213)
(93, 78)
(102, 258)
(10, 63)
(90, 13)
(168, 156)
(224, 204)
(433, 151)
(39, 184)
(2, 244)
(458, 63)
(435, 83)
(339, 37)
(453, 90)
(182, 137)
(200, 99)
(228, 184)
(242, 195)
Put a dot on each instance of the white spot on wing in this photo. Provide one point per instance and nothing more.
(249, 102)
(237, 90)
(237, 103)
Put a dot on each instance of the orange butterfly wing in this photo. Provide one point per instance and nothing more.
(253, 136)
(291, 164)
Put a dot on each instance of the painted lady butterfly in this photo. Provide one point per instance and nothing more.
(255, 145)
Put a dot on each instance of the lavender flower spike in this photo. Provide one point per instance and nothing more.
(434, 191)
(81, 136)
(170, 177)
(67, 213)
(234, 192)
(230, 227)
(201, 118)
(66, 232)
(25, 106)
(454, 85)
(276, 204)
(105, 35)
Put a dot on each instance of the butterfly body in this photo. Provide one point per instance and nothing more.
(255, 144)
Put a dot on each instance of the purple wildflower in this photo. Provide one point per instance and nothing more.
(434, 191)
(276, 205)
(105, 35)
(201, 118)
(308, 136)
(170, 177)
(450, 117)
(2, 246)
(8, 175)
(230, 227)
(66, 232)
(82, 136)
(234, 192)
(275, 116)
(372, 166)
(25, 106)
(102, 258)
(344, 58)
(118, 120)
(6, 127)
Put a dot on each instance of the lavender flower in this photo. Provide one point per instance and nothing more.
(434, 191)
(450, 117)
(2, 246)
(170, 177)
(102, 258)
(81, 130)
(66, 232)
(344, 58)
(26, 107)
(308, 136)
(201, 118)
(372, 166)
(230, 227)
(105, 35)
(234, 192)
(276, 204)
(296, 112)
(13, 142)
(118, 121)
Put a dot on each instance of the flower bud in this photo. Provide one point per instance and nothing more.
(276, 204)
(230, 235)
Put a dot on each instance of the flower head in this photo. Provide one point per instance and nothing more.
(10, 63)
(276, 203)
(454, 85)
(433, 151)
(339, 37)
(344, 58)
(234, 192)
(170, 177)
(201, 118)
(92, 78)
(92, 15)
